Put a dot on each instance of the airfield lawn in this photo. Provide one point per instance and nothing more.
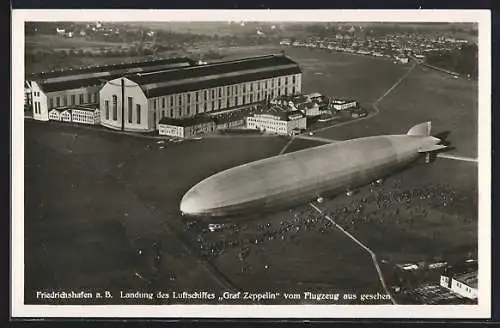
(425, 95)
(94, 198)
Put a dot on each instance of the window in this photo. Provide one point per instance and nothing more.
(58, 102)
(227, 102)
(244, 98)
(220, 104)
(115, 107)
(106, 105)
(213, 93)
(171, 101)
(89, 98)
(205, 95)
(96, 97)
(180, 100)
(163, 102)
(162, 114)
(188, 109)
(293, 90)
(81, 98)
(130, 109)
(65, 100)
(251, 87)
(171, 113)
(220, 92)
(293, 79)
(188, 98)
(197, 108)
(244, 88)
(73, 99)
(138, 110)
(154, 104)
(51, 102)
(251, 98)
(180, 112)
(197, 96)
(205, 107)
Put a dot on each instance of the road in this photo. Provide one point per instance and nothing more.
(368, 250)
(375, 107)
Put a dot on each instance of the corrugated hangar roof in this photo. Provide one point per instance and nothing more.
(78, 79)
(215, 74)
(111, 67)
(86, 80)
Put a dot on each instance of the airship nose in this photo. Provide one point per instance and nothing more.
(191, 203)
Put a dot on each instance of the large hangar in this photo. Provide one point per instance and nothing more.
(72, 87)
(137, 102)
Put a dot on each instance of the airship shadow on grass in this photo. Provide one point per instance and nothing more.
(291, 179)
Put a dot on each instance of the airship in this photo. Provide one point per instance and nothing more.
(287, 180)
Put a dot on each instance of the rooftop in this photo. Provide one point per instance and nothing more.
(185, 122)
(74, 79)
(79, 107)
(215, 74)
(110, 67)
(469, 279)
(284, 115)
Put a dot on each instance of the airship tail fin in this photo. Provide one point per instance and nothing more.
(420, 130)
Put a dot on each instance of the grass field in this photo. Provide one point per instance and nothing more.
(425, 95)
(94, 199)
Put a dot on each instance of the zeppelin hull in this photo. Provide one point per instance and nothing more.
(299, 177)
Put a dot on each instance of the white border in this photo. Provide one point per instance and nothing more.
(481, 310)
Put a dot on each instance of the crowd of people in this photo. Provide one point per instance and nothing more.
(381, 207)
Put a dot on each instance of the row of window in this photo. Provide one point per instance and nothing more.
(219, 104)
(75, 116)
(275, 123)
(36, 93)
(70, 100)
(177, 100)
(468, 289)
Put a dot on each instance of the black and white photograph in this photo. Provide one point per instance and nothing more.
(251, 163)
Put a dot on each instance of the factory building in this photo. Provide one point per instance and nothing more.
(75, 114)
(55, 114)
(72, 87)
(138, 102)
(187, 127)
(86, 115)
(277, 121)
(464, 284)
(461, 280)
(343, 104)
(229, 121)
